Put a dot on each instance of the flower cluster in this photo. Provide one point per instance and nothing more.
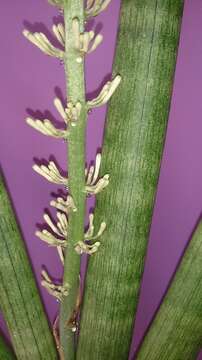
(85, 42)
(95, 7)
(105, 94)
(41, 41)
(58, 291)
(84, 246)
(58, 236)
(58, 3)
(94, 184)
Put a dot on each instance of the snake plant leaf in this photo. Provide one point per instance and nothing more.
(20, 302)
(133, 145)
(5, 351)
(176, 330)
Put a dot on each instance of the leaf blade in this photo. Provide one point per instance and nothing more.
(20, 301)
(133, 146)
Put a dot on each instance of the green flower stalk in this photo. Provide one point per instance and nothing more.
(69, 236)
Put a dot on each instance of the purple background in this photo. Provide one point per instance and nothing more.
(29, 81)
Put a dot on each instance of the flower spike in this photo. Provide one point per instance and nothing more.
(95, 7)
(47, 128)
(51, 173)
(105, 94)
(58, 291)
(41, 41)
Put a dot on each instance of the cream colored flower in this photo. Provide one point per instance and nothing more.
(41, 41)
(106, 93)
(47, 128)
(59, 32)
(64, 205)
(85, 42)
(89, 235)
(84, 248)
(93, 184)
(95, 7)
(59, 3)
(71, 113)
(51, 173)
(60, 229)
(58, 291)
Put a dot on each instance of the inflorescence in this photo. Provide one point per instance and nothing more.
(56, 232)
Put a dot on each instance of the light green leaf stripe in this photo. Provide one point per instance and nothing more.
(133, 145)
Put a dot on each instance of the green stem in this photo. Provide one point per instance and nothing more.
(176, 330)
(76, 173)
(19, 297)
(133, 145)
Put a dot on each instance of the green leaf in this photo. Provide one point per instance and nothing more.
(176, 330)
(5, 351)
(19, 297)
(133, 145)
